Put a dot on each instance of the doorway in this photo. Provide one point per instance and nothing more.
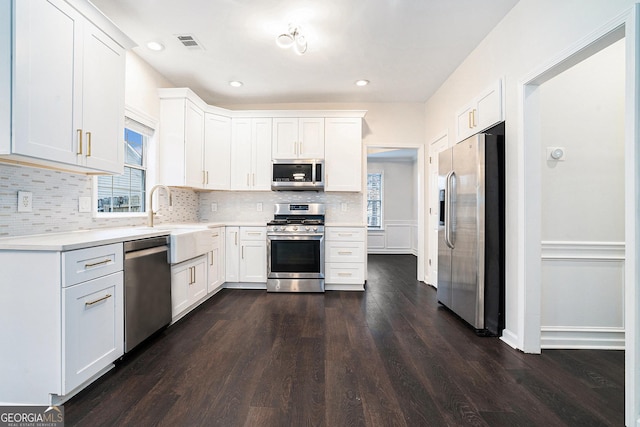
(396, 204)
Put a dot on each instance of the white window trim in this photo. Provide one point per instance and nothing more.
(151, 167)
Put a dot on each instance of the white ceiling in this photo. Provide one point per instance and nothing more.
(406, 48)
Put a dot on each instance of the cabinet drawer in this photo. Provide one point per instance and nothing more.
(86, 264)
(345, 234)
(253, 233)
(93, 328)
(344, 251)
(351, 273)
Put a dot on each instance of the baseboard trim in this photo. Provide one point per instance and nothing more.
(582, 338)
(509, 338)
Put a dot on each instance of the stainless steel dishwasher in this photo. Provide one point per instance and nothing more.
(147, 289)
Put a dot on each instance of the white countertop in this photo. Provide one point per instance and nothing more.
(78, 239)
(87, 238)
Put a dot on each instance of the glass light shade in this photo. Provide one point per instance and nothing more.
(285, 40)
(300, 45)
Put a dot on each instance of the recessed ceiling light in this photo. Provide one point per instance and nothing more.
(235, 83)
(362, 82)
(157, 46)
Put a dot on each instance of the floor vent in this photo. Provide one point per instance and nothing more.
(189, 41)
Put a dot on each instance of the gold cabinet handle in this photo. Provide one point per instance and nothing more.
(90, 303)
(344, 252)
(207, 178)
(300, 149)
(215, 234)
(473, 115)
(93, 264)
(470, 119)
(211, 262)
(88, 144)
(79, 141)
(236, 237)
(344, 274)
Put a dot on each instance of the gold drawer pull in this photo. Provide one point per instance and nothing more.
(344, 274)
(345, 234)
(79, 142)
(107, 296)
(254, 233)
(106, 261)
(344, 252)
(88, 144)
(215, 235)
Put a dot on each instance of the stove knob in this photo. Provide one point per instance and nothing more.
(315, 228)
(307, 228)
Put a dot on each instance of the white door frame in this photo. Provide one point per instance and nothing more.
(420, 191)
(529, 195)
(438, 144)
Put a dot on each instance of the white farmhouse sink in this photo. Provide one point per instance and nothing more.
(187, 243)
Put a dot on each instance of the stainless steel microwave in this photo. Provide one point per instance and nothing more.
(298, 175)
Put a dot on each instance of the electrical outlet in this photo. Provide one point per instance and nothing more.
(214, 207)
(259, 206)
(344, 207)
(84, 204)
(25, 201)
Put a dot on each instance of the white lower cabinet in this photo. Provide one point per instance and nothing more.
(246, 255)
(188, 284)
(216, 260)
(345, 256)
(93, 328)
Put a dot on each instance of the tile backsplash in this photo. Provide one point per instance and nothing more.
(56, 195)
(55, 203)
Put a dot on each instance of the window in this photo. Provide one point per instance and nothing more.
(374, 200)
(126, 193)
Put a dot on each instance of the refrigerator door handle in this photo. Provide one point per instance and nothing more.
(448, 207)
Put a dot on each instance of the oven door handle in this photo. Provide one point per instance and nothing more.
(294, 236)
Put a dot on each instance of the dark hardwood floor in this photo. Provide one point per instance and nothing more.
(389, 356)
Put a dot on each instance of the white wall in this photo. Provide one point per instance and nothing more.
(531, 35)
(399, 206)
(582, 110)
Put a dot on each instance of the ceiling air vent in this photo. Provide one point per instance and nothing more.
(189, 41)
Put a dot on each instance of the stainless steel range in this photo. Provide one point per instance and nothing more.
(295, 248)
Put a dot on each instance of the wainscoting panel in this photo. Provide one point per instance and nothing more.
(397, 237)
(582, 304)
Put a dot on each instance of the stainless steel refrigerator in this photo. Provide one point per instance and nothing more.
(471, 231)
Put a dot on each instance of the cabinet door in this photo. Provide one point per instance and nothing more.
(180, 278)
(253, 261)
(465, 122)
(217, 152)
(311, 138)
(285, 138)
(216, 261)
(261, 173)
(193, 145)
(102, 101)
(489, 107)
(241, 149)
(46, 109)
(198, 283)
(232, 254)
(343, 154)
(93, 328)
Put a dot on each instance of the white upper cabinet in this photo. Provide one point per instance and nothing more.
(343, 154)
(181, 142)
(251, 154)
(68, 112)
(481, 113)
(217, 152)
(298, 138)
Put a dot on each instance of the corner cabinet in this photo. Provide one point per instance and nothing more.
(251, 154)
(484, 111)
(298, 138)
(343, 154)
(67, 113)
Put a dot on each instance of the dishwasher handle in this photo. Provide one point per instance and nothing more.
(137, 245)
(145, 252)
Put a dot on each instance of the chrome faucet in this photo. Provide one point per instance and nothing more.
(153, 189)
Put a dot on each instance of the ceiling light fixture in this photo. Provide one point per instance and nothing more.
(235, 83)
(155, 46)
(362, 82)
(294, 38)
